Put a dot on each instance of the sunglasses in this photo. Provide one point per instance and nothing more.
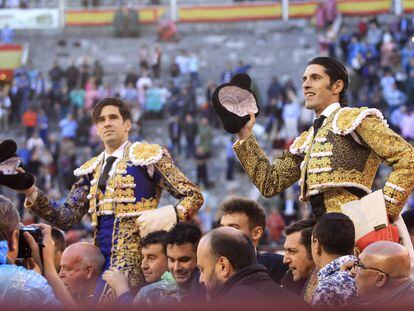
(360, 265)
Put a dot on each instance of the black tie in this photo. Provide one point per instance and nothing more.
(317, 123)
(105, 174)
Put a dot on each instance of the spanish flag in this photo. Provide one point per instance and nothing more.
(10, 59)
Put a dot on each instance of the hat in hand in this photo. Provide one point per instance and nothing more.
(234, 102)
(9, 161)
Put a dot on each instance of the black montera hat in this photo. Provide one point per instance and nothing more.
(9, 177)
(234, 102)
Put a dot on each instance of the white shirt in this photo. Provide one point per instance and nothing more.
(118, 154)
(329, 110)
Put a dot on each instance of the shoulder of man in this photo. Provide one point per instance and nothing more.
(142, 153)
(302, 142)
(34, 282)
(274, 264)
(348, 119)
(89, 166)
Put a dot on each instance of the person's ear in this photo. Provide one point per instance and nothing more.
(128, 124)
(381, 280)
(14, 243)
(224, 268)
(89, 272)
(338, 86)
(317, 248)
(257, 233)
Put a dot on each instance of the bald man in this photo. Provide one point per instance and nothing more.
(382, 274)
(80, 267)
(228, 268)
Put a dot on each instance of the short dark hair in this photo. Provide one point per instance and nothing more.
(59, 238)
(238, 248)
(182, 233)
(335, 232)
(254, 212)
(305, 227)
(156, 237)
(336, 71)
(111, 101)
(9, 220)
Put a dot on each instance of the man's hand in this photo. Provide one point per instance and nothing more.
(48, 245)
(162, 218)
(247, 129)
(348, 266)
(28, 191)
(117, 280)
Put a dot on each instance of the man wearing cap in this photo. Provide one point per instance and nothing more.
(336, 160)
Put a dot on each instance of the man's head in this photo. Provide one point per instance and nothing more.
(60, 245)
(221, 253)
(80, 266)
(325, 81)
(154, 257)
(298, 253)
(181, 242)
(332, 236)
(382, 266)
(9, 226)
(113, 122)
(244, 215)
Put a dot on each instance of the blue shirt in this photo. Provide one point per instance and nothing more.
(335, 287)
(23, 288)
(68, 128)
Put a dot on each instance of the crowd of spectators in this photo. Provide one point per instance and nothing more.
(54, 109)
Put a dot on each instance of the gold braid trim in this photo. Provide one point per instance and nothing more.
(348, 119)
(301, 143)
(89, 166)
(143, 154)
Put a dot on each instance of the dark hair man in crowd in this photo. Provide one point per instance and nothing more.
(336, 160)
(153, 265)
(249, 217)
(80, 267)
(134, 174)
(333, 240)
(382, 274)
(300, 278)
(181, 244)
(228, 268)
(154, 261)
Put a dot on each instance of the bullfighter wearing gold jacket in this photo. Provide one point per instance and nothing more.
(124, 208)
(339, 163)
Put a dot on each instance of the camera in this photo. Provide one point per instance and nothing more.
(24, 248)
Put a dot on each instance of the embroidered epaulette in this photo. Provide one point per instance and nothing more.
(301, 143)
(145, 153)
(89, 166)
(348, 119)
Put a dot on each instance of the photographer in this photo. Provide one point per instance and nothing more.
(20, 287)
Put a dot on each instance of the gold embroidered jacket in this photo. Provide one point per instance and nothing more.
(129, 191)
(345, 152)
